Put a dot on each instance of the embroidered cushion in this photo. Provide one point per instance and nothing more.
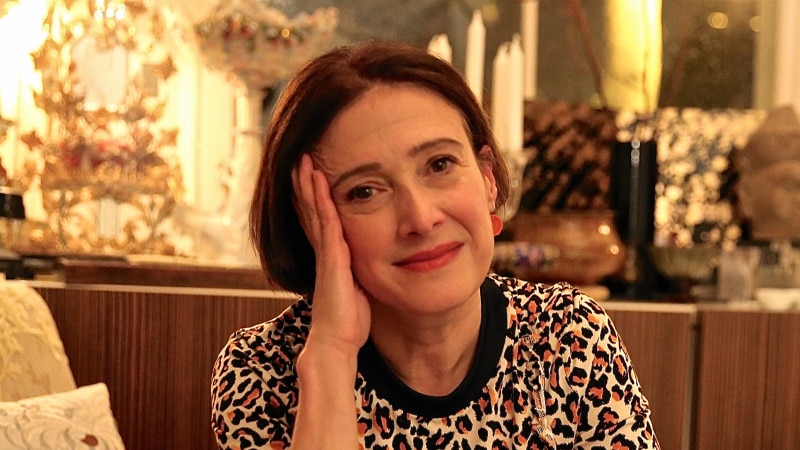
(80, 419)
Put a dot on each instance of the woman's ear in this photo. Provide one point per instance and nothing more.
(486, 163)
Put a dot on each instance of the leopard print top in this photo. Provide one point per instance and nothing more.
(550, 373)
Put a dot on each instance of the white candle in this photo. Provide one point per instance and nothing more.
(445, 50)
(515, 93)
(499, 109)
(476, 49)
(439, 45)
(530, 38)
(433, 45)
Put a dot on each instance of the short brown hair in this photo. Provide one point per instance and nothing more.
(308, 105)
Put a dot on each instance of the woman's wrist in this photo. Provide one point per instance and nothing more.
(321, 356)
(327, 403)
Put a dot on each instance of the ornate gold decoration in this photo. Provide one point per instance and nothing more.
(5, 5)
(106, 149)
(260, 44)
(5, 124)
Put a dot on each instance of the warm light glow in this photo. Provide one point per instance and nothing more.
(614, 249)
(632, 59)
(755, 23)
(604, 229)
(718, 20)
(21, 29)
(490, 12)
(20, 33)
(108, 10)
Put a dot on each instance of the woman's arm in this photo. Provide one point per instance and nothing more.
(326, 414)
(252, 392)
(614, 411)
(264, 395)
(326, 369)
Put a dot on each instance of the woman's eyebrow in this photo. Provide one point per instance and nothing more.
(433, 143)
(414, 151)
(364, 168)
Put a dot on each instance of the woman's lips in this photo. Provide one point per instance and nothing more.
(431, 259)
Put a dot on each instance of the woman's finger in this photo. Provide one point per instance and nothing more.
(332, 246)
(323, 203)
(304, 201)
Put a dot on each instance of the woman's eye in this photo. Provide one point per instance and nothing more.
(441, 164)
(360, 193)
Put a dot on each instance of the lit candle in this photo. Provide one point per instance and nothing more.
(499, 109)
(476, 48)
(530, 38)
(515, 94)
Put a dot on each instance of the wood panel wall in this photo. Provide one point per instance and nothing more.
(716, 378)
(748, 382)
(661, 346)
(155, 352)
(782, 396)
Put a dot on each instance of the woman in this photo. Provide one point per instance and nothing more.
(376, 201)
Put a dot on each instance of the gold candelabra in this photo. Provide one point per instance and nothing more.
(102, 159)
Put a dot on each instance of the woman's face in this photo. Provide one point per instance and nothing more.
(414, 201)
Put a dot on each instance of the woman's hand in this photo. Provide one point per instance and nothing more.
(341, 315)
(327, 366)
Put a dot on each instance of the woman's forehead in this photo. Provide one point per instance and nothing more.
(403, 115)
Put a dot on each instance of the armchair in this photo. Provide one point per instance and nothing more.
(40, 406)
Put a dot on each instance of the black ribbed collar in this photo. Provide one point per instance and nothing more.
(380, 378)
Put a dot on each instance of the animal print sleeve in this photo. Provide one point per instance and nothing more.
(612, 409)
(251, 393)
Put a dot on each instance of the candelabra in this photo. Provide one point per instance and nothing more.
(5, 124)
(103, 69)
(5, 5)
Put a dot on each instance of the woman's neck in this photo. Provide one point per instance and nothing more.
(430, 354)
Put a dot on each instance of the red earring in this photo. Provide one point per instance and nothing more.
(497, 224)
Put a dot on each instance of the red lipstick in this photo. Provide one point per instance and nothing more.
(432, 259)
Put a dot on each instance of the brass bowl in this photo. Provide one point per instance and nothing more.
(695, 263)
(588, 245)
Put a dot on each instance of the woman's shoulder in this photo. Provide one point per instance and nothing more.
(285, 334)
(553, 306)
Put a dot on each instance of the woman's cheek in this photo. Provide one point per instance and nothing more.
(359, 230)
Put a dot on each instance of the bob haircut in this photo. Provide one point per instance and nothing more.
(308, 105)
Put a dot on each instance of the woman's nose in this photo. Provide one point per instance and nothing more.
(417, 211)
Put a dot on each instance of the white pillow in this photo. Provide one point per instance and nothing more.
(78, 419)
